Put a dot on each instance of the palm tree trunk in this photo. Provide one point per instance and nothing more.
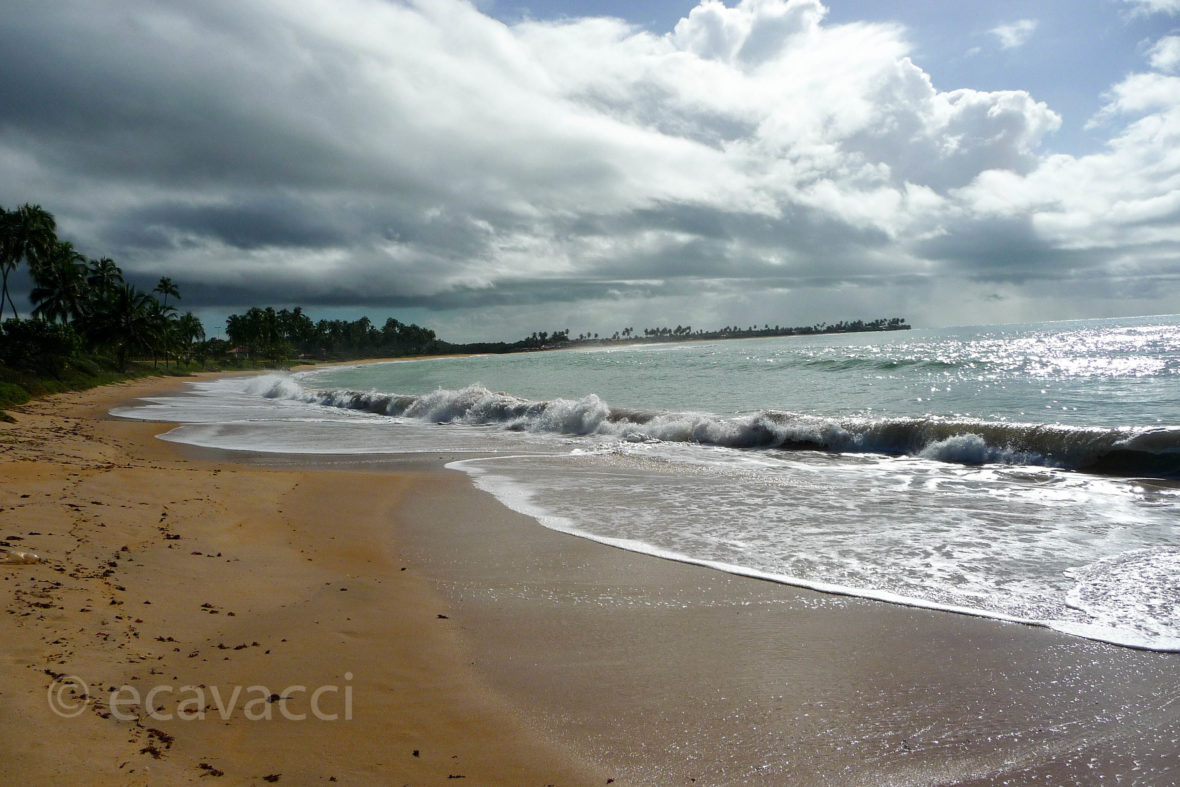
(5, 294)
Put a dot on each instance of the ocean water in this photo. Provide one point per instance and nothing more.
(1026, 473)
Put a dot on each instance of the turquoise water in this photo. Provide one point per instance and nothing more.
(1024, 473)
(1093, 373)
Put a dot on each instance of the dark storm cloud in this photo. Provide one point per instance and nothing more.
(277, 222)
(1009, 249)
(362, 152)
(142, 109)
(251, 292)
(994, 249)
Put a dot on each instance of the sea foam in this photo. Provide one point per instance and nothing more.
(1143, 451)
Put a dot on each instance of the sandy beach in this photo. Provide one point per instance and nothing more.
(449, 637)
(161, 571)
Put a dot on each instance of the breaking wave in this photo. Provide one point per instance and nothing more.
(1131, 452)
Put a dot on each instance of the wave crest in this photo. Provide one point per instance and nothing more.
(1151, 452)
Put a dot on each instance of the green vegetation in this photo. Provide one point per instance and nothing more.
(90, 327)
(82, 307)
(273, 336)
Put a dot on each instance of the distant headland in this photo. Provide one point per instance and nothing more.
(289, 333)
(685, 333)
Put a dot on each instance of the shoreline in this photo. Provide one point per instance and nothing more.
(197, 576)
(673, 673)
(560, 660)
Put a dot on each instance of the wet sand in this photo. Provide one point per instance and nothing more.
(504, 652)
(673, 674)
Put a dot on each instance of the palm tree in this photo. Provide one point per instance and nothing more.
(189, 331)
(104, 274)
(166, 287)
(160, 320)
(103, 278)
(60, 285)
(126, 321)
(260, 332)
(27, 233)
(7, 257)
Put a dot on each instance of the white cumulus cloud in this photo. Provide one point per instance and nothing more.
(1155, 6)
(1015, 34)
(1165, 54)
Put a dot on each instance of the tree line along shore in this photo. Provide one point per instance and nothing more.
(90, 326)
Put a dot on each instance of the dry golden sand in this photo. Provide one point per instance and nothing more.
(162, 571)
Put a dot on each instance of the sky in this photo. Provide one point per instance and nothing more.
(493, 168)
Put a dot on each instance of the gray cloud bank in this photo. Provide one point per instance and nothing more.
(752, 165)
